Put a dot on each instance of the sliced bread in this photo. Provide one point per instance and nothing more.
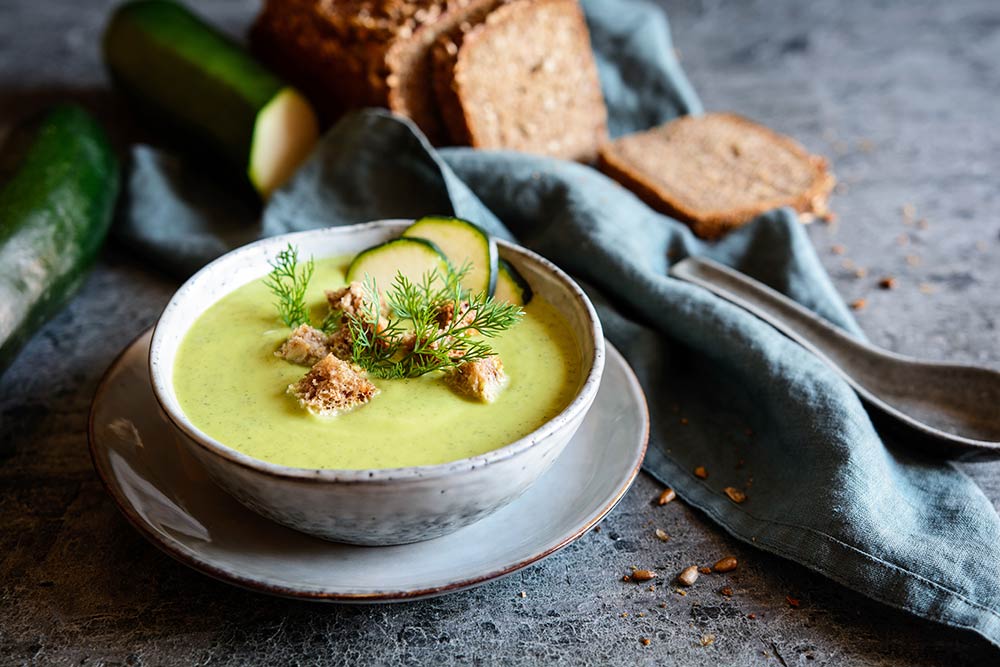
(347, 54)
(718, 171)
(524, 78)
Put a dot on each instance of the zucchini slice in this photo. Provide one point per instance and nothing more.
(190, 76)
(511, 285)
(461, 242)
(411, 257)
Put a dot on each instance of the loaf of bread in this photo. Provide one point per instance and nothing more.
(516, 74)
(718, 171)
(524, 78)
(347, 54)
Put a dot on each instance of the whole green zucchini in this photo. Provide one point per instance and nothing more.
(58, 185)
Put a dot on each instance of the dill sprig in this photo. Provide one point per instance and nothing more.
(412, 340)
(288, 283)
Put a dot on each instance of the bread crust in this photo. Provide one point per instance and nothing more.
(714, 223)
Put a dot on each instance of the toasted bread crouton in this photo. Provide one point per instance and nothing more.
(482, 379)
(341, 342)
(306, 345)
(446, 313)
(348, 299)
(332, 386)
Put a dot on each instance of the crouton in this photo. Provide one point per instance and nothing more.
(341, 342)
(332, 386)
(349, 299)
(446, 314)
(482, 379)
(306, 345)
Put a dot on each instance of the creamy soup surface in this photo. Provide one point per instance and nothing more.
(232, 387)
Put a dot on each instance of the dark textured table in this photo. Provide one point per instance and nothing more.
(903, 97)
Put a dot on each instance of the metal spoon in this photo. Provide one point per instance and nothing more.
(955, 409)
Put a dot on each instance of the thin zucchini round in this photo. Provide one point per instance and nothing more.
(58, 189)
(462, 242)
(413, 258)
(511, 285)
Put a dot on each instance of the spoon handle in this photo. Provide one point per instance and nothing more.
(798, 323)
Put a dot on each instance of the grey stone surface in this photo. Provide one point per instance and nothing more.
(903, 98)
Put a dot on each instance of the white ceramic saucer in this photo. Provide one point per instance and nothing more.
(165, 494)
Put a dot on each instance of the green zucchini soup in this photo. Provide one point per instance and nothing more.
(232, 386)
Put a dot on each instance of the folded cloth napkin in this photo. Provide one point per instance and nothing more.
(726, 391)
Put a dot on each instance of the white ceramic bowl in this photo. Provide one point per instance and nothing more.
(379, 506)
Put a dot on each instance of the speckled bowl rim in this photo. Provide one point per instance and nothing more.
(576, 408)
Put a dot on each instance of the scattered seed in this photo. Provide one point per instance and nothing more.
(680, 591)
(860, 272)
(707, 640)
(866, 145)
(727, 591)
(727, 564)
(700, 472)
(887, 283)
(597, 529)
(663, 605)
(524, 594)
(913, 260)
(735, 494)
(923, 224)
(641, 614)
(902, 239)
(752, 616)
(847, 264)
(624, 614)
(909, 211)
(927, 288)
(662, 535)
(688, 575)
(858, 304)
(794, 603)
(705, 569)
(666, 496)
(838, 249)
(643, 575)
(645, 641)
(651, 589)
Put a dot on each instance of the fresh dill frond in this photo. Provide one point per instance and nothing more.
(412, 340)
(288, 282)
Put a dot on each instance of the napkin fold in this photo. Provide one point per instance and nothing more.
(726, 391)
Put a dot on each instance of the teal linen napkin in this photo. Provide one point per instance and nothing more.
(726, 391)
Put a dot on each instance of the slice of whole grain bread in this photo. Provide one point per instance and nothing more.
(524, 78)
(347, 54)
(717, 171)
